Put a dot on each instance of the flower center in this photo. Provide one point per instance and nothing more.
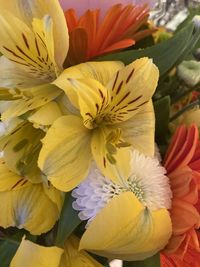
(147, 181)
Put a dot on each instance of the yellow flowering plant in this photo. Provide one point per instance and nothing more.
(82, 180)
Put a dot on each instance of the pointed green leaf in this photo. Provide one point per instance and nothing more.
(69, 220)
(7, 252)
(165, 54)
(9, 246)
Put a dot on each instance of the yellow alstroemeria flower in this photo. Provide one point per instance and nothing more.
(34, 207)
(127, 219)
(115, 112)
(34, 43)
(33, 255)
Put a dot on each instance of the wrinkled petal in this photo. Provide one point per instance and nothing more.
(33, 255)
(65, 155)
(131, 233)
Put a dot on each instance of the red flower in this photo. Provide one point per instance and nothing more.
(91, 37)
(182, 163)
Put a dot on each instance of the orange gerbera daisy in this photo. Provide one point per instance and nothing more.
(191, 258)
(182, 163)
(91, 36)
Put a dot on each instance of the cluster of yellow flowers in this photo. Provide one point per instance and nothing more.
(88, 128)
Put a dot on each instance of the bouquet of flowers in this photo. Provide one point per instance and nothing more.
(99, 136)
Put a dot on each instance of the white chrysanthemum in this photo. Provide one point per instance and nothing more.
(147, 181)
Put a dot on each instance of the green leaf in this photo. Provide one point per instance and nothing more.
(150, 262)
(165, 54)
(162, 113)
(10, 244)
(69, 220)
(7, 252)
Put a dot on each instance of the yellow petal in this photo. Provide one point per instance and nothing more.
(46, 115)
(65, 154)
(131, 88)
(115, 165)
(100, 71)
(31, 99)
(27, 207)
(92, 99)
(32, 255)
(125, 229)
(8, 179)
(139, 131)
(27, 10)
(21, 148)
(55, 195)
(27, 47)
(74, 258)
(12, 76)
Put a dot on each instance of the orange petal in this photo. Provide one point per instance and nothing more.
(78, 47)
(71, 19)
(182, 148)
(184, 217)
(118, 45)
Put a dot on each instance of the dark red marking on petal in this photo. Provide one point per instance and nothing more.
(133, 109)
(104, 162)
(97, 106)
(134, 100)
(37, 47)
(25, 41)
(12, 52)
(142, 104)
(130, 75)
(20, 50)
(16, 184)
(123, 98)
(89, 114)
(119, 87)
(115, 81)
(24, 182)
(101, 93)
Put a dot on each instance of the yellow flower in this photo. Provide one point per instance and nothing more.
(127, 219)
(25, 205)
(34, 43)
(33, 255)
(114, 112)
